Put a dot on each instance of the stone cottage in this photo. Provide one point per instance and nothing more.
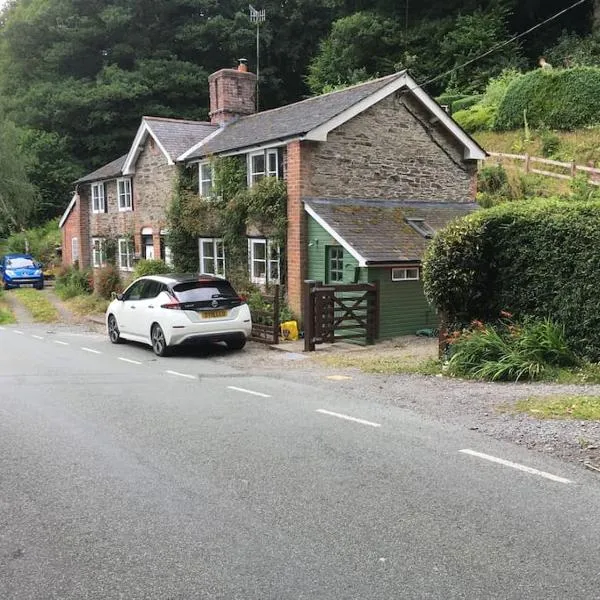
(372, 171)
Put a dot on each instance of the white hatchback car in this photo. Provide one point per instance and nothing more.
(170, 310)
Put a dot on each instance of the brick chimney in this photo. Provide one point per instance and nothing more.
(232, 93)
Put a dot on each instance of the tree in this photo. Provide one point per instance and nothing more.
(17, 195)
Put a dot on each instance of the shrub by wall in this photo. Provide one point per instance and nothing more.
(536, 259)
(558, 98)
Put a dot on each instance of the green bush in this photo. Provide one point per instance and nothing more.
(550, 143)
(41, 242)
(151, 267)
(71, 282)
(509, 352)
(466, 102)
(107, 280)
(448, 99)
(477, 118)
(561, 99)
(537, 259)
(492, 179)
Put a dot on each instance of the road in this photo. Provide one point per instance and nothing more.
(124, 476)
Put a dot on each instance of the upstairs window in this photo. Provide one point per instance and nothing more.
(264, 257)
(212, 256)
(263, 164)
(124, 194)
(206, 179)
(98, 198)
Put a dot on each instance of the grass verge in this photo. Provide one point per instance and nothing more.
(561, 407)
(88, 304)
(6, 314)
(384, 365)
(41, 309)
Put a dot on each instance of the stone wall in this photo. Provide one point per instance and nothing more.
(392, 151)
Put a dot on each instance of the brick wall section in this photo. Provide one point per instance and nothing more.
(152, 187)
(298, 157)
(232, 93)
(71, 229)
(387, 152)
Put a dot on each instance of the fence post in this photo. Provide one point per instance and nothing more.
(309, 316)
(527, 162)
(573, 168)
(276, 323)
(373, 313)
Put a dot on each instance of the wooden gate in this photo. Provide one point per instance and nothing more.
(340, 312)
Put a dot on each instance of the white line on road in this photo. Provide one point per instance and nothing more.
(18, 331)
(181, 374)
(245, 391)
(129, 360)
(347, 418)
(60, 343)
(508, 463)
(2, 328)
(90, 350)
(37, 337)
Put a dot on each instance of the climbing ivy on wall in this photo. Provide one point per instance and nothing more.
(229, 213)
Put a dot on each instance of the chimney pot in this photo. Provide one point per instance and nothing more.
(243, 65)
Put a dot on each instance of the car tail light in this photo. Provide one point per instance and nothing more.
(173, 305)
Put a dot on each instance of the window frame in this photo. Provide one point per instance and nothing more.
(99, 253)
(201, 180)
(329, 259)
(215, 257)
(74, 250)
(129, 254)
(255, 176)
(405, 271)
(268, 260)
(127, 194)
(99, 199)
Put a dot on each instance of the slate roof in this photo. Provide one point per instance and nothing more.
(177, 135)
(288, 121)
(377, 230)
(110, 171)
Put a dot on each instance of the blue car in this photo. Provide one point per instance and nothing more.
(20, 270)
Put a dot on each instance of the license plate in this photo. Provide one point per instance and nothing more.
(213, 314)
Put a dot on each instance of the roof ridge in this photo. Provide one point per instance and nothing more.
(173, 120)
(391, 77)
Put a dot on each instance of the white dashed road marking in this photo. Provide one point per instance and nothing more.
(37, 337)
(129, 360)
(245, 391)
(347, 418)
(508, 463)
(60, 343)
(181, 374)
(90, 350)
(18, 331)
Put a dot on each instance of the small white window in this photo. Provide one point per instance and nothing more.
(98, 199)
(264, 259)
(405, 274)
(125, 255)
(74, 250)
(98, 252)
(206, 179)
(263, 164)
(212, 256)
(124, 194)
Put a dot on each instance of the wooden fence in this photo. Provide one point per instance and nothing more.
(564, 170)
(265, 319)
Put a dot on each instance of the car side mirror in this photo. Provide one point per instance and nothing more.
(115, 296)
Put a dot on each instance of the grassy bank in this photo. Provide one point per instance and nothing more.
(6, 314)
(41, 309)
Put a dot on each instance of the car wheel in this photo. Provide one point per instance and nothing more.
(236, 344)
(6, 286)
(40, 286)
(114, 335)
(159, 343)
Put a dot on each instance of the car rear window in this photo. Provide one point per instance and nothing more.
(19, 263)
(198, 291)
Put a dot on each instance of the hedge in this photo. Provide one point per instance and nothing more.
(536, 259)
(466, 102)
(559, 99)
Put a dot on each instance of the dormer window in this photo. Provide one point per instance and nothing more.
(421, 227)
(124, 194)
